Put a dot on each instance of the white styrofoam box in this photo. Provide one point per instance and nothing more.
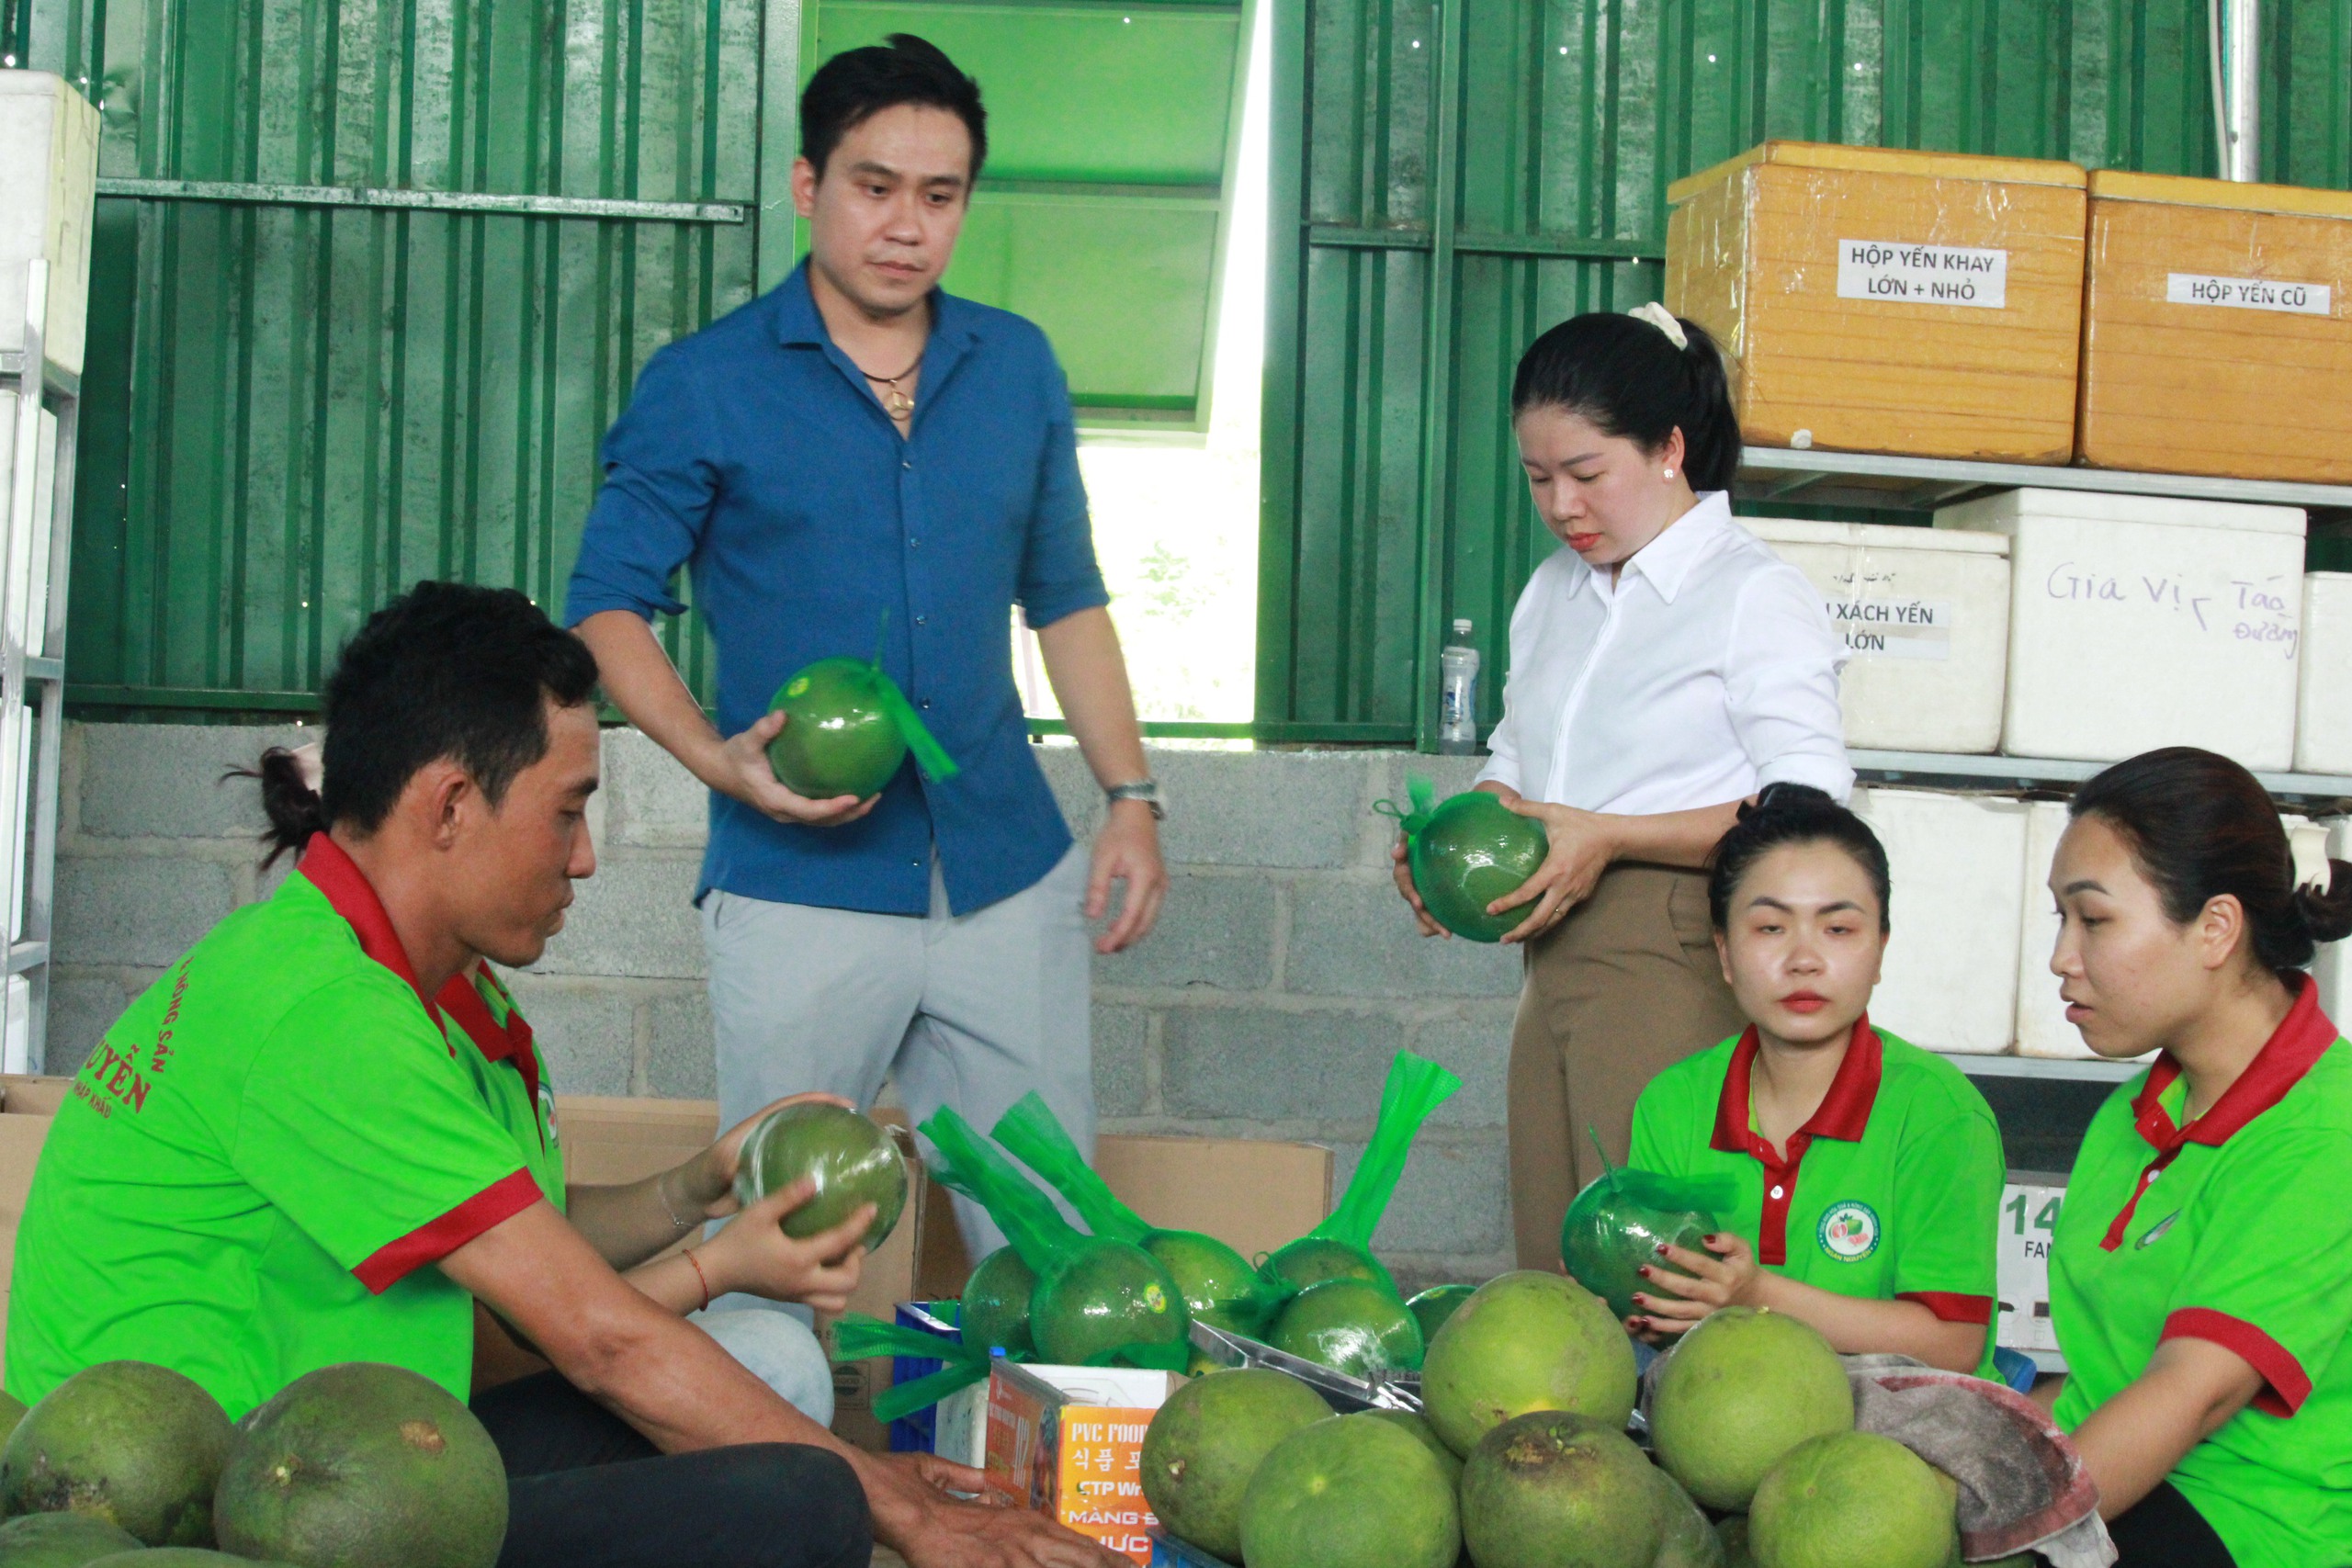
(2333, 968)
(2137, 621)
(23, 595)
(1957, 863)
(48, 186)
(2323, 694)
(2042, 1029)
(16, 1050)
(2030, 1211)
(1925, 616)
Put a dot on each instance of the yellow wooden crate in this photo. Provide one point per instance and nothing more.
(1871, 299)
(2217, 331)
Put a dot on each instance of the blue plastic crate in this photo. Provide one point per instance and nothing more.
(1167, 1552)
(917, 1433)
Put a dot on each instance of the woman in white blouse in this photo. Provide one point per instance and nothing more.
(1664, 667)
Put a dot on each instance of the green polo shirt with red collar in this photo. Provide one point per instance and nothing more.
(1890, 1191)
(2236, 1229)
(495, 1045)
(260, 1163)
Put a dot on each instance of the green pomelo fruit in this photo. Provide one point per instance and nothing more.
(137, 1445)
(1218, 1286)
(1850, 1497)
(1473, 851)
(838, 737)
(1349, 1325)
(1685, 1538)
(1434, 1305)
(12, 1410)
(995, 1309)
(1607, 1237)
(364, 1466)
(1311, 1259)
(1525, 1341)
(1553, 1489)
(1731, 1530)
(1205, 1443)
(1425, 1435)
(852, 1158)
(1741, 1390)
(60, 1541)
(179, 1556)
(1101, 1297)
(1347, 1492)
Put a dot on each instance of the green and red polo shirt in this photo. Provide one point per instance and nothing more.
(1890, 1191)
(259, 1163)
(508, 1071)
(2236, 1229)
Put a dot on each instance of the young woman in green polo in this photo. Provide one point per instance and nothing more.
(2200, 1275)
(1869, 1172)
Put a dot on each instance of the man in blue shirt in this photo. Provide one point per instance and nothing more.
(858, 453)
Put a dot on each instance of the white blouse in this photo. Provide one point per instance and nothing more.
(1707, 670)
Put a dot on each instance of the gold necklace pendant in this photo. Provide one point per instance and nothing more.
(900, 405)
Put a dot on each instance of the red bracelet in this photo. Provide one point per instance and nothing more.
(702, 1277)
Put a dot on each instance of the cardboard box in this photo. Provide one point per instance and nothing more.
(26, 1104)
(2030, 1206)
(1068, 1441)
(1871, 299)
(2217, 329)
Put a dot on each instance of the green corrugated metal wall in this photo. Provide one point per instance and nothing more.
(1464, 172)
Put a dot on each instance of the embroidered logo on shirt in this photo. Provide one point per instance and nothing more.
(546, 1115)
(2156, 1231)
(1849, 1231)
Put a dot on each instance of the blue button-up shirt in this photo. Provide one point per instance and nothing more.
(754, 453)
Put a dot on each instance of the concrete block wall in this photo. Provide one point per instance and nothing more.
(1284, 976)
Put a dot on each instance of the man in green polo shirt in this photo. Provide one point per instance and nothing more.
(1867, 1172)
(278, 1159)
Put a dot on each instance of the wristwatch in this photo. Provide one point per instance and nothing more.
(1145, 790)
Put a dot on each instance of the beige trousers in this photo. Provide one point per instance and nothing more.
(1626, 986)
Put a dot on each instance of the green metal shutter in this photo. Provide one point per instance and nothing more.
(1461, 173)
(1113, 129)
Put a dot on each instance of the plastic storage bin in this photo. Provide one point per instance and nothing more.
(1871, 299)
(2217, 329)
(2324, 693)
(1925, 615)
(2136, 622)
(2333, 968)
(48, 184)
(1956, 861)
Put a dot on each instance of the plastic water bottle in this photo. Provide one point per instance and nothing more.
(1457, 723)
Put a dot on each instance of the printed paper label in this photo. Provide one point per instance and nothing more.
(2249, 293)
(1922, 274)
(1893, 628)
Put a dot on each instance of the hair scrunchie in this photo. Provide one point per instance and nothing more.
(1663, 320)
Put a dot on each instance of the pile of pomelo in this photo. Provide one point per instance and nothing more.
(1521, 1457)
(353, 1466)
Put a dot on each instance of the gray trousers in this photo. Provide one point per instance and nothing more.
(971, 1011)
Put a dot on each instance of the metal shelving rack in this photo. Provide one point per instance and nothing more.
(1788, 476)
(32, 663)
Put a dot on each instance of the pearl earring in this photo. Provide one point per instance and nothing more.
(1669, 473)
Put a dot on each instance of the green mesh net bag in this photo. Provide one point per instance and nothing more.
(848, 727)
(1617, 1223)
(1341, 1248)
(1100, 1300)
(1217, 1283)
(1464, 854)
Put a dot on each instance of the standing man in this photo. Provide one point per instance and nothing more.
(857, 454)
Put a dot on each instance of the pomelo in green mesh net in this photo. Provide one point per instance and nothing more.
(1218, 1285)
(1341, 1246)
(847, 728)
(1099, 1301)
(1466, 852)
(850, 1158)
(1349, 1325)
(995, 1307)
(1616, 1224)
(1434, 1305)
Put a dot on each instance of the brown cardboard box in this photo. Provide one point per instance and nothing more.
(1871, 299)
(2217, 329)
(26, 1106)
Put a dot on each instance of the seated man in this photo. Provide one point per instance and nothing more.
(279, 1159)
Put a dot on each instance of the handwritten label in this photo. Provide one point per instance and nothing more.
(1923, 275)
(2266, 612)
(1893, 628)
(2249, 293)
